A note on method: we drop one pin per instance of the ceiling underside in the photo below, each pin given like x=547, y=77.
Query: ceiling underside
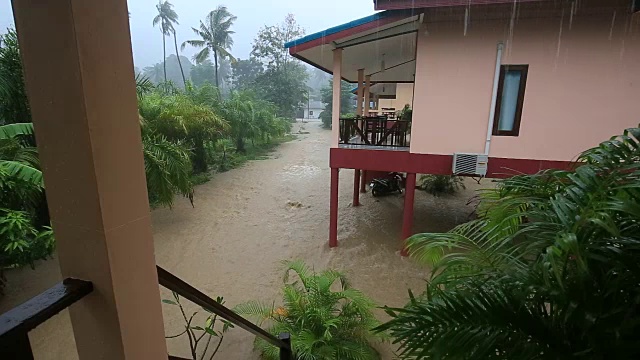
x=392, y=45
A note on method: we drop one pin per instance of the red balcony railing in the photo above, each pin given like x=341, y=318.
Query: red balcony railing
x=375, y=131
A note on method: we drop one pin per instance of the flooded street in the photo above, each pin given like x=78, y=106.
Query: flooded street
x=247, y=220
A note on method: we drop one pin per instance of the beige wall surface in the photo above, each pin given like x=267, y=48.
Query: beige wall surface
x=404, y=95
x=582, y=87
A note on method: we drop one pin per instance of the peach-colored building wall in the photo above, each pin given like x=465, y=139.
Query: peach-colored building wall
x=404, y=95
x=582, y=87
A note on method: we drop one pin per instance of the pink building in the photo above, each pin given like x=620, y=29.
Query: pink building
x=500, y=87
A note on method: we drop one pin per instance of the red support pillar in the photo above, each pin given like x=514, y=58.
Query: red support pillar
x=333, y=211
x=407, y=218
x=356, y=185
x=363, y=182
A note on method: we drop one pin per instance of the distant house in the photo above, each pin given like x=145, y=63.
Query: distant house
x=498, y=87
x=312, y=109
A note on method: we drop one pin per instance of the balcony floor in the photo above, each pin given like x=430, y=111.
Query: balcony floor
x=373, y=147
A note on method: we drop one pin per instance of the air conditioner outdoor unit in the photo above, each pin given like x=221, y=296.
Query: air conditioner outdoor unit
x=470, y=164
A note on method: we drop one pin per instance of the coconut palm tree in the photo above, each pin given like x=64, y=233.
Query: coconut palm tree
x=167, y=18
x=215, y=36
x=549, y=270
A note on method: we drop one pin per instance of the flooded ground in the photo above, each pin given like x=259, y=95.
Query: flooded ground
x=246, y=221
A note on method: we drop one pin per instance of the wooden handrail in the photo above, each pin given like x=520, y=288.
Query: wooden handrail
x=173, y=283
x=16, y=323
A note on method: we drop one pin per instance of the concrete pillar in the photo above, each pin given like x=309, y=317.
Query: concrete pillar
x=360, y=92
x=333, y=208
x=80, y=83
x=407, y=216
x=367, y=94
x=356, y=187
x=335, y=110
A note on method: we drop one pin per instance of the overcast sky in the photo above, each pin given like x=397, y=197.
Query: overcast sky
x=313, y=15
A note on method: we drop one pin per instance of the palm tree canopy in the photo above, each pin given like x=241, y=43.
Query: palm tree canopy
x=215, y=34
x=166, y=17
x=549, y=270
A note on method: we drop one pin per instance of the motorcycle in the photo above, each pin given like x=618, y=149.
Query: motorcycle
x=389, y=185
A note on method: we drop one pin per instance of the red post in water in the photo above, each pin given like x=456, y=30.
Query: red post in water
x=333, y=209
x=356, y=185
x=407, y=218
x=363, y=182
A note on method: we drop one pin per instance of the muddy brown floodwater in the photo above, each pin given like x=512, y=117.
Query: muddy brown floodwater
x=246, y=221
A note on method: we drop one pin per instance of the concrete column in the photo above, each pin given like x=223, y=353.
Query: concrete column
x=356, y=187
x=367, y=94
x=335, y=110
x=360, y=92
x=80, y=83
x=407, y=216
x=333, y=208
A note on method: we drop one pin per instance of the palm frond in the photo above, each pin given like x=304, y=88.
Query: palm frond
x=548, y=270
x=17, y=129
x=22, y=171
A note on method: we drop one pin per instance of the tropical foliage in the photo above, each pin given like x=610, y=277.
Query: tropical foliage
x=282, y=81
x=215, y=37
x=347, y=102
x=549, y=270
x=24, y=233
x=324, y=323
x=14, y=106
x=437, y=185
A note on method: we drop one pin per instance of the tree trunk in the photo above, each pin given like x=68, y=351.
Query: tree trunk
x=164, y=57
x=240, y=145
x=175, y=42
x=215, y=58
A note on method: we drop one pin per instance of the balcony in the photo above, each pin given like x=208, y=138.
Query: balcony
x=374, y=133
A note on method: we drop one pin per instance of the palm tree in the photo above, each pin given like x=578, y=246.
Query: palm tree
x=167, y=17
x=215, y=37
x=549, y=270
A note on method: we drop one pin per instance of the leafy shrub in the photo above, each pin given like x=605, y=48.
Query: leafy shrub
x=178, y=118
x=323, y=323
x=549, y=271
x=406, y=114
x=440, y=184
x=20, y=242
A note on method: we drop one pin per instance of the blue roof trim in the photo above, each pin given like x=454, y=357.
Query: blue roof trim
x=338, y=28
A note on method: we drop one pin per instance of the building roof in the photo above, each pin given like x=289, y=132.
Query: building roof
x=384, y=39
x=416, y=4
